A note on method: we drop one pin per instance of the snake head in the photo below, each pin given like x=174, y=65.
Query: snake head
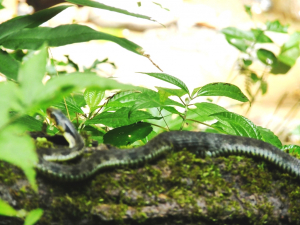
x=64, y=125
x=58, y=118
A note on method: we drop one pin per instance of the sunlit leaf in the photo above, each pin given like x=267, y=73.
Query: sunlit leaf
x=270, y=137
x=164, y=93
x=195, y=91
x=170, y=79
x=120, y=118
x=240, y=44
x=172, y=92
x=58, y=87
x=223, y=89
x=93, y=96
x=29, y=21
x=241, y=125
x=289, y=56
x=106, y=7
x=17, y=148
x=33, y=216
x=239, y=34
x=62, y=35
x=31, y=73
x=6, y=209
x=31, y=123
x=151, y=99
x=260, y=36
x=11, y=101
x=161, y=6
x=276, y=26
x=204, y=110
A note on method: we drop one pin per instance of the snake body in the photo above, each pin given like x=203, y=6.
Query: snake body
x=200, y=143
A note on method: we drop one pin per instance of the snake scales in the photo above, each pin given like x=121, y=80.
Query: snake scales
x=199, y=143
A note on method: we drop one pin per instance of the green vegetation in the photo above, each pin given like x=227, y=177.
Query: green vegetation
x=114, y=119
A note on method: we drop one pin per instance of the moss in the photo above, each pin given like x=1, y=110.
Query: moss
x=180, y=177
x=8, y=174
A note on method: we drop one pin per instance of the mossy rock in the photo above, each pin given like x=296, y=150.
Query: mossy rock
x=178, y=188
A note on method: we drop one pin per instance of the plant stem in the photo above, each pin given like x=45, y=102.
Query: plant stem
x=196, y=121
x=187, y=101
x=163, y=119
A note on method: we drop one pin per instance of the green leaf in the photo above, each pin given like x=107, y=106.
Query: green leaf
x=276, y=26
x=93, y=96
x=33, y=216
x=241, y=125
x=62, y=35
x=29, y=122
x=280, y=68
x=254, y=77
x=247, y=62
x=127, y=135
x=29, y=21
x=31, y=74
x=164, y=93
x=120, y=118
x=265, y=56
x=171, y=109
x=289, y=55
x=270, y=137
x=9, y=66
x=234, y=32
x=72, y=105
x=248, y=10
x=6, y=209
x=11, y=101
x=151, y=99
x=260, y=36
x=195, y=91
x=161, y=6
x=290, y=50
x=58, y=87
x=123, y=99
x=240, y=44
x=222, y=128
x=170, y=79
x=263, y=87
x=106, y=7
x=17, y=148
x=172, y=92
x=223, y=89
x=125, y=96
x=293, y=41
x=95, y=132
x=204, y=110
x=1, y=6
x=291, y=148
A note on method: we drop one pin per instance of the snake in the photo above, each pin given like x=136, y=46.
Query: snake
x=200, y=143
